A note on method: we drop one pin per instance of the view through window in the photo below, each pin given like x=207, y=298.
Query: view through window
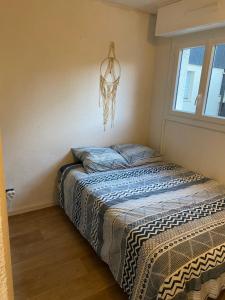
x=189, y=77
x=215, y=105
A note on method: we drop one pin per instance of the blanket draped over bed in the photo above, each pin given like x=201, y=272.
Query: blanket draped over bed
x=159, y=227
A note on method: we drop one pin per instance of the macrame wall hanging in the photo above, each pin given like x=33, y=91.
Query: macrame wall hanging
x=110, y=72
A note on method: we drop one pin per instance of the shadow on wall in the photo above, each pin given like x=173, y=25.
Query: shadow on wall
x=33, y=189
x=151, y=29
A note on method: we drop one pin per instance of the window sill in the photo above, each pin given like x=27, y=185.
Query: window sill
x=204, y=122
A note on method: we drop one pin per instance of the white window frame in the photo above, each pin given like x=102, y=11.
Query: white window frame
x=175, y=80
x=198, y=118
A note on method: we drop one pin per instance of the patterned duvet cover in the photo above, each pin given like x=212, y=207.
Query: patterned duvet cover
x=159, y=227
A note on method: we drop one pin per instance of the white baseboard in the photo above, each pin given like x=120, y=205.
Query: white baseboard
x=31, y=208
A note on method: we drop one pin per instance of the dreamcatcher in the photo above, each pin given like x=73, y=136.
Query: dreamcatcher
x=110, y=72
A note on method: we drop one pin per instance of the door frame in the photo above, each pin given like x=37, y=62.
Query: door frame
x=6, y=282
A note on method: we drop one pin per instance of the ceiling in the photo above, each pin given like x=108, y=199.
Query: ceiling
x=150, y=6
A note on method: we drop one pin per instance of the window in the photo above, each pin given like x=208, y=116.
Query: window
x=215, y=104
x=199, y=82
x=188, y=79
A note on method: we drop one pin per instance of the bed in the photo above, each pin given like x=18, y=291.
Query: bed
x=159, y=227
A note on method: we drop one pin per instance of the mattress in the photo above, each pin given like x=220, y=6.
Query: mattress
x=159, y=227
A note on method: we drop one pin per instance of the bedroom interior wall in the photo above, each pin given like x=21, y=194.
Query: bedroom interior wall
x=195, y=148
x=50, y=55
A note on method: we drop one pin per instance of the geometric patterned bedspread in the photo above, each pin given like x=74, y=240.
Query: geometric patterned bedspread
x=159, y=227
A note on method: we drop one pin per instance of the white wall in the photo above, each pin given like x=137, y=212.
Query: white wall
x=196, y=148
x=49, y=86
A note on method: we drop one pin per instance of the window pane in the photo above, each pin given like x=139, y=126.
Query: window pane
x=215, y=105
x=189, y=77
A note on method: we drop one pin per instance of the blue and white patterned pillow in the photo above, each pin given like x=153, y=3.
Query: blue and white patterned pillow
x=137, y=155
x=96, y=159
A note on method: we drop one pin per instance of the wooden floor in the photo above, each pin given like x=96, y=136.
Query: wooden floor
x=52, y=261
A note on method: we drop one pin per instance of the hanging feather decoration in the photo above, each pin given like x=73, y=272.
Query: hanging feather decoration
x=110, y=72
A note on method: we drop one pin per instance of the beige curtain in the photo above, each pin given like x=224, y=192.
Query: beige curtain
x=6, y=287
